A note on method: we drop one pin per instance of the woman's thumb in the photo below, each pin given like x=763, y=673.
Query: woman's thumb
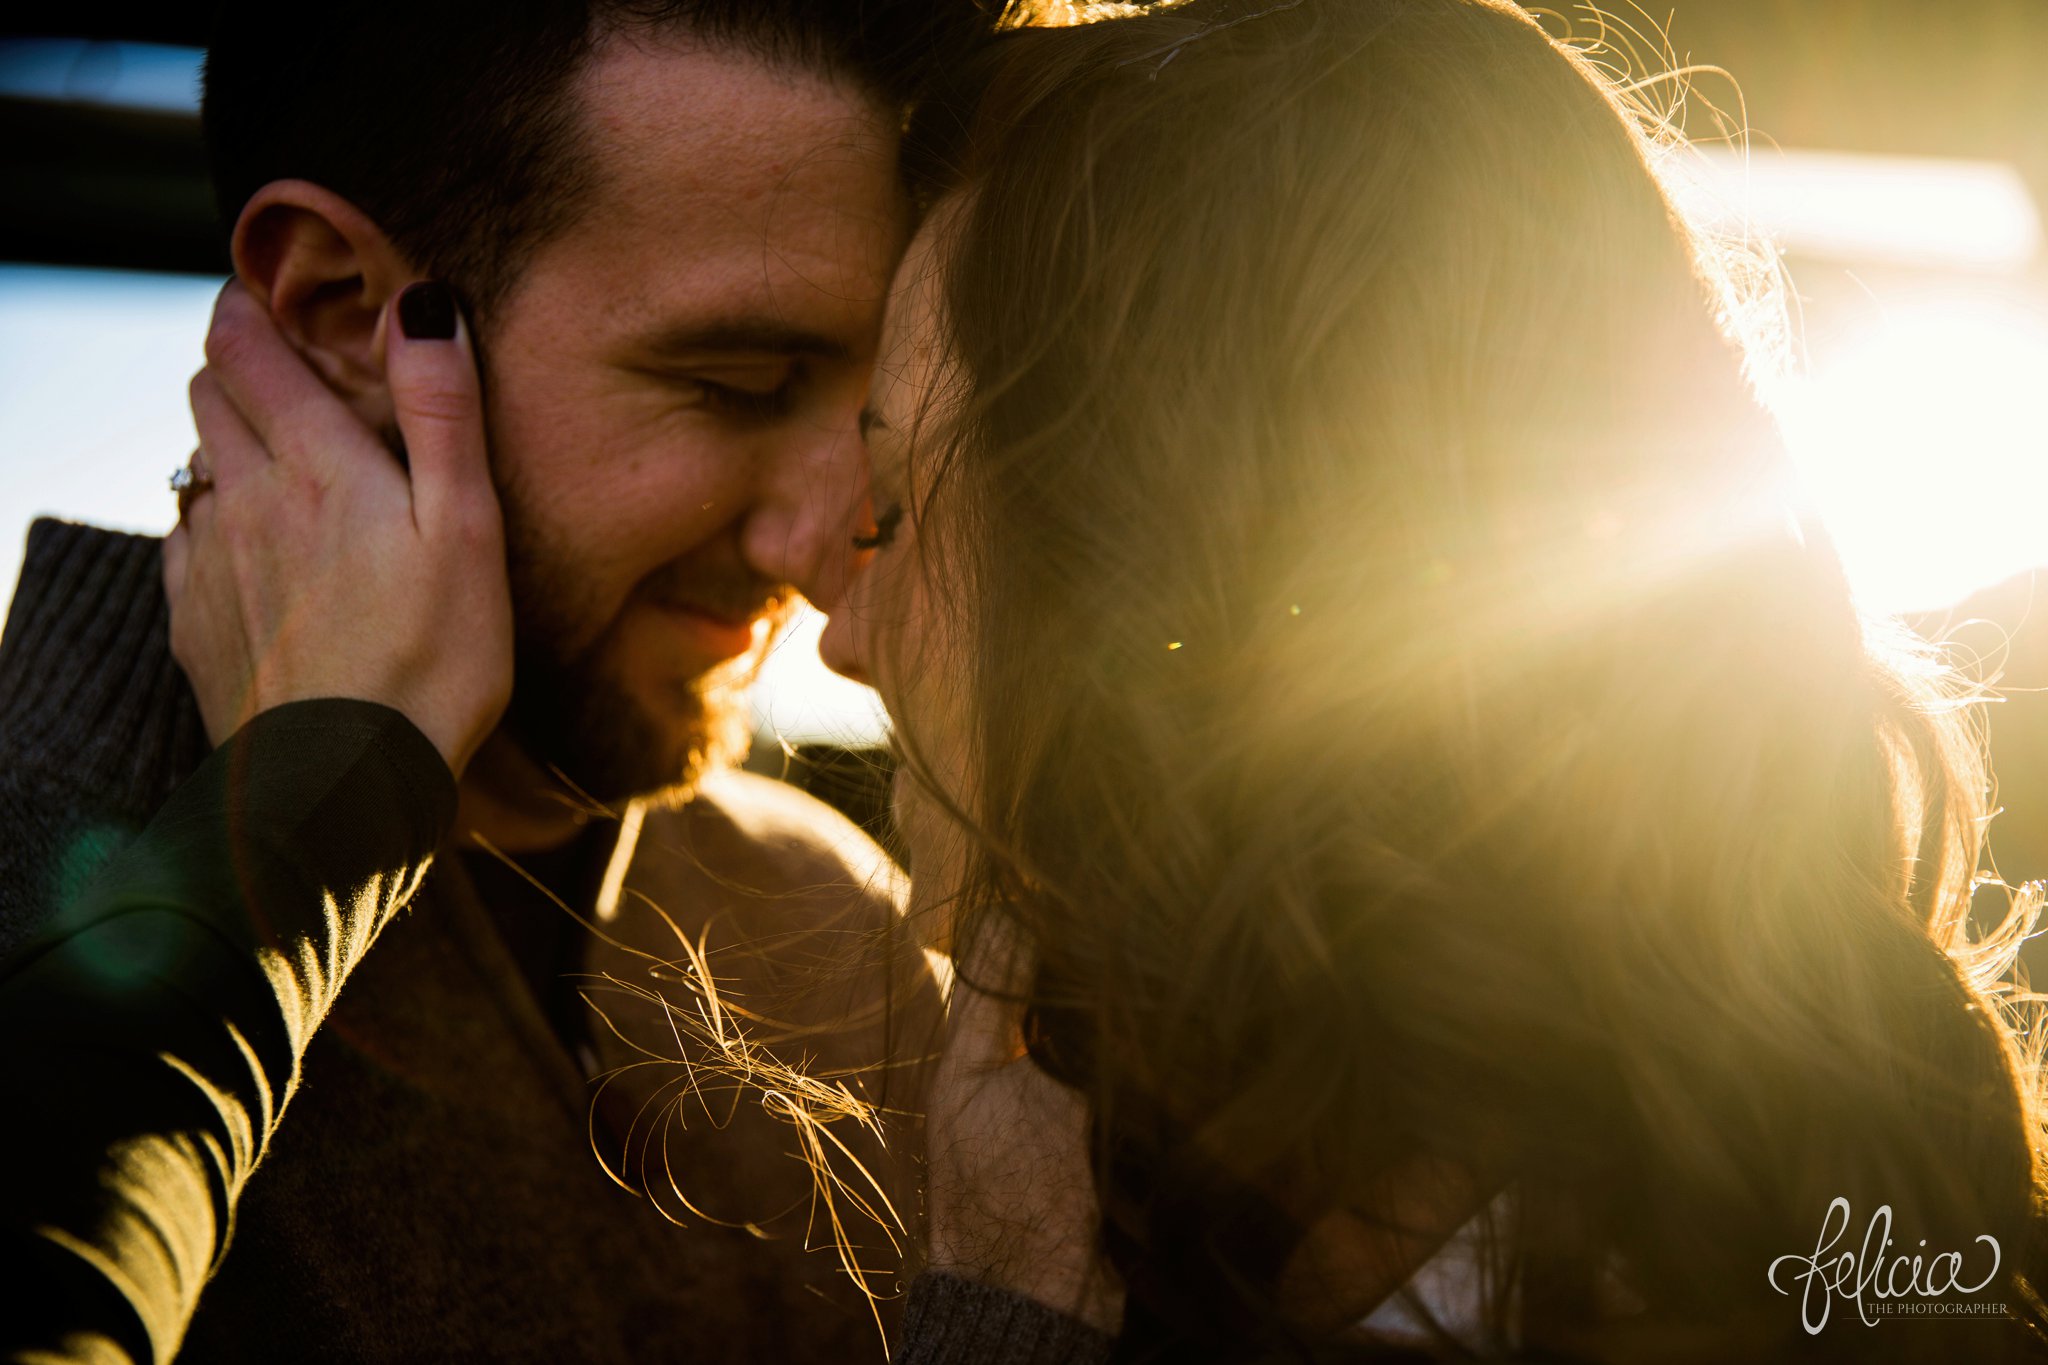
x=431, y=370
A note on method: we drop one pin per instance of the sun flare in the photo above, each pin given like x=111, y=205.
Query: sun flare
x=1924, y=443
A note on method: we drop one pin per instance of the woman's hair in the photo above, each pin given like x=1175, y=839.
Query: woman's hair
x=1426, y=745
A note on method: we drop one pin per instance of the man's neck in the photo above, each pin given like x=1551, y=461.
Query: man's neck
x=515, y=805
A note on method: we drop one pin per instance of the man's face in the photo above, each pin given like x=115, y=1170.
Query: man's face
x=673, y=387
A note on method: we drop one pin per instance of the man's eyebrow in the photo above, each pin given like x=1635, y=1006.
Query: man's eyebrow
x=752, y=336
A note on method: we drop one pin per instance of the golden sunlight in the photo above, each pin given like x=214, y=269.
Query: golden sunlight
x=1924, y=443
x=1926, y=213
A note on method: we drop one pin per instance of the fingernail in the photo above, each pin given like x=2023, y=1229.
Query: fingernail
x=426, y=311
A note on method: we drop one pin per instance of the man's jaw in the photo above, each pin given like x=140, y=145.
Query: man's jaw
x=643, y=711
x=580, y=740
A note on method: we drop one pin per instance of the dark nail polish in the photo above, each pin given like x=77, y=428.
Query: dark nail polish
x=426, y=311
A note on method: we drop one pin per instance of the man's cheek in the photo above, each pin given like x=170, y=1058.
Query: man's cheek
x=552, y=607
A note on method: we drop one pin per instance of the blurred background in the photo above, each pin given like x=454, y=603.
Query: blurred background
x=1895, y=150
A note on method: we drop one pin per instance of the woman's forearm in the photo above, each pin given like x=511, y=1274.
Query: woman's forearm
x=150, y=1039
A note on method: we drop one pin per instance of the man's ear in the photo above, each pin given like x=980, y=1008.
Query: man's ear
x=326, y=272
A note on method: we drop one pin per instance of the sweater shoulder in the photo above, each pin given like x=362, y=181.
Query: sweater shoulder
x=97, y=724
x=786, y=841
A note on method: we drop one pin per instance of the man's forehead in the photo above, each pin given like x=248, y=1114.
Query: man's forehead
x=730, y=187
x=674, y=126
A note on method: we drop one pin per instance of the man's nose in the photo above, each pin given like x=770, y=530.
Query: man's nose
x=806, y=513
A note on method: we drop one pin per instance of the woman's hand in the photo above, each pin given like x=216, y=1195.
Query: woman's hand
x=1012, y=1196
x=316, y=564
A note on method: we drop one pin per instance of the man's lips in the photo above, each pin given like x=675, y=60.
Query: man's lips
x=718, y=635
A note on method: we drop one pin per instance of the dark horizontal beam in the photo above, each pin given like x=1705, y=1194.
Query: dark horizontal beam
x=89, y=185
x=181, y=23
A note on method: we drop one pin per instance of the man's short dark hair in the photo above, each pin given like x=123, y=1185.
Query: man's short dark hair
x=449, y=123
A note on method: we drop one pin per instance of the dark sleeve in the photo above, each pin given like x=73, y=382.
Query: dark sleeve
x=150, y=1038
x=97, y=723
x=951, y=1321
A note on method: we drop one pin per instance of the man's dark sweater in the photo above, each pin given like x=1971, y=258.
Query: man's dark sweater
x=433, y=1192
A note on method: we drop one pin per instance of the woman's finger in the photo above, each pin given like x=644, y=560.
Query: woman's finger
x=431, y=371
x=196, y=507
x=229, y=449
x=293, y=414
x=177, y=554
x=983, y=1031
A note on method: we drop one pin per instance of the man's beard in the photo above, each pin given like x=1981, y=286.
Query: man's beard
x=572, y=716
x=570, y=711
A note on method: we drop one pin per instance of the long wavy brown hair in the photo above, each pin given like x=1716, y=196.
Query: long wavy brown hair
x=1439, y=767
